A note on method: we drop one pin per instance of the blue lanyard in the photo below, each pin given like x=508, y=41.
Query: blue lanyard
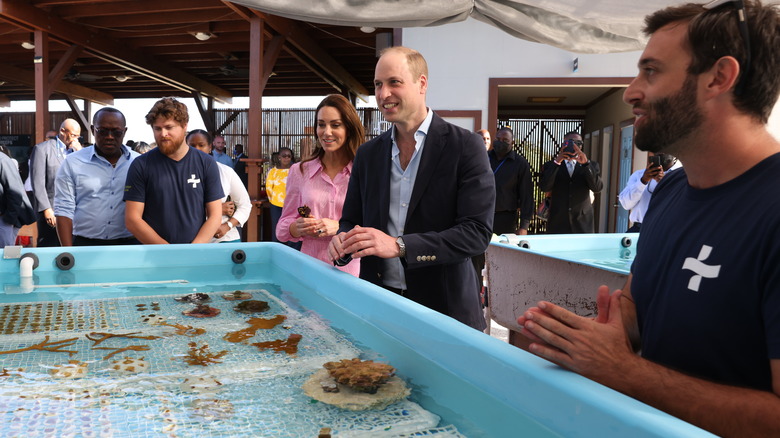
x=499, y=165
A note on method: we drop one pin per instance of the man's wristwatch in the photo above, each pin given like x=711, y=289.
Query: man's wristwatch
x=230, y=225
x=401, y=247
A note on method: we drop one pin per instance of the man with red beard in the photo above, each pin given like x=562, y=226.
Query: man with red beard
x=173, y=192
x=703, y=300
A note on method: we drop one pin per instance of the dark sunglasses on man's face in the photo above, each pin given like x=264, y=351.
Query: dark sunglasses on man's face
x=285, y=156
x=571, y=142
x=104, y=132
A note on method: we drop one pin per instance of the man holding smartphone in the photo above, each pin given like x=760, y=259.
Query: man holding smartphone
x=641, y=185
x=570, y=178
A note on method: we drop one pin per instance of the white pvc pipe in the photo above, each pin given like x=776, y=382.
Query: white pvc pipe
x=26, y=267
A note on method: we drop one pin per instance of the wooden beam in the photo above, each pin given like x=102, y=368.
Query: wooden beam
x=63, y=65
x=133, y=7
x=145, y=19
x=205, y=114
x=315, y=57
x=117, y=52
x=315, y=52
x=80, y=117
x=42, y=91
x=19, y=76
x=269, y=58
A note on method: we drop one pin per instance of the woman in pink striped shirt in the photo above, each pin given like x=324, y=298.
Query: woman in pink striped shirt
x=320, y=181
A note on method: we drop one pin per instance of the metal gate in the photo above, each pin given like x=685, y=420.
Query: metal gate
x=538, y=141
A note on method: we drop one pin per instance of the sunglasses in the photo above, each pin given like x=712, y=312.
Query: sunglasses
x=739, y=6
x=571, y=142
x=104, y=132
x=285, y=156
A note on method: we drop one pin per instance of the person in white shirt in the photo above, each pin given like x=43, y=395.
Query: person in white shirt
x=236, y=205
x=641, y=185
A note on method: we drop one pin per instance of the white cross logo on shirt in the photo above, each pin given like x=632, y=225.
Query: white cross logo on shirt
x=193, y=181
x=700, y=269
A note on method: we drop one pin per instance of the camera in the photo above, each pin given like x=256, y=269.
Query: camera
x=655, y=161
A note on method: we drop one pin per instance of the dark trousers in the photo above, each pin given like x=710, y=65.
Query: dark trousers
x=85, y=241
x=47, y=236
x=634, y=228
x=505, y=222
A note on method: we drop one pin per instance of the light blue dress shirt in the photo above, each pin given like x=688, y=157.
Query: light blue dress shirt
x=401, y=186
x=222, y=158
x=89, y=191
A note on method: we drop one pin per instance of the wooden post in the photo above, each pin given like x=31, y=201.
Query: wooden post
x=255, y=125
x=42, y=91
x=254, y=168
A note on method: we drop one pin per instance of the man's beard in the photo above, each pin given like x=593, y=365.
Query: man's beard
x=669, y=120
x=168, y=148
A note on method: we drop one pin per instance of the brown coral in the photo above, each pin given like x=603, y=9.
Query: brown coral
x=363, y=376
x=251, y=306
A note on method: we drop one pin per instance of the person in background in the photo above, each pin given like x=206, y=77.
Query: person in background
x=695, y=331
x=236, y=205
x=45, y=160
x=570, y=178
x=173, y=193
x=90, y=185
x=240, y=166
x=514, y=190
x=485, y=134
x=143, y=147
x=320, y=181
x=641, y=185
x=15, y=208
x=219, y=153
x=276, y=189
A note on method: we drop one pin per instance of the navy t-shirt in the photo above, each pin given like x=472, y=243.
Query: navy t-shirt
x=707, y=277
x=174, y=193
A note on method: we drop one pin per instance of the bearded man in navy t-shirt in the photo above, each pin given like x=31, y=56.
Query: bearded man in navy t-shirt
x=173, y=193
x=702, y=304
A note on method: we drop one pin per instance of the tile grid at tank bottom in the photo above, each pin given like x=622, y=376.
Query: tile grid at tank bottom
x=250, y=393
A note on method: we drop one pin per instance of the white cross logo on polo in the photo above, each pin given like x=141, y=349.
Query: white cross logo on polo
x=194, y=181
x=702, y=270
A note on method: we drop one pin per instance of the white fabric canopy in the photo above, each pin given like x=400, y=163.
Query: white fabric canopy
x=583, y=26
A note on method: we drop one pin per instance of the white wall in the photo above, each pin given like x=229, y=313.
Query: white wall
x=463, y=56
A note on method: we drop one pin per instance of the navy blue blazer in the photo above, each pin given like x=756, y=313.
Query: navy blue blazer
x=449, y=220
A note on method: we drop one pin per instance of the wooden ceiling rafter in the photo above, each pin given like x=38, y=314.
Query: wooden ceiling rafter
x=128, y=7
x=319, y=57
x=108, y=49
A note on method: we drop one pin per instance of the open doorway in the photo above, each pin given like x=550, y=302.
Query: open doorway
x=541, y=110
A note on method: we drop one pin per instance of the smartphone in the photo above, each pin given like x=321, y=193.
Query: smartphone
x=655, y=161
x=569, y=147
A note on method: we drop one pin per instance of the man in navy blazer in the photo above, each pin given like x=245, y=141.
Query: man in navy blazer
x=420, y=200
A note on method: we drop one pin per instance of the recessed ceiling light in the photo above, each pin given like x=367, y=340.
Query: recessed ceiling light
x=367, y=29
x=203, y=36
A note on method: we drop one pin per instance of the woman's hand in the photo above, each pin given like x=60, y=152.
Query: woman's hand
x=228, y=208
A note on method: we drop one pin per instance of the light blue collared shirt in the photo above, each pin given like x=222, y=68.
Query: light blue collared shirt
x=222, y=158
x=401, y=186
x=89, y=191
x=62, y=150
